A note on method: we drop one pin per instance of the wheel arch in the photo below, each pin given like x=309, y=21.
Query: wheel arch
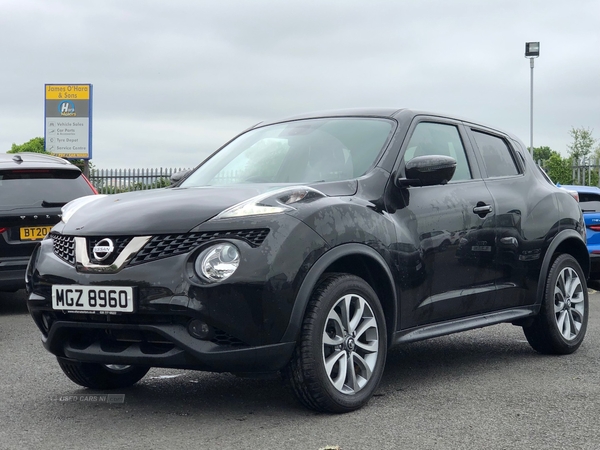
x=567, y=241
x=356, y=259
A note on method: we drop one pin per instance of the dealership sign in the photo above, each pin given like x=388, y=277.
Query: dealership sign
x=68, y=116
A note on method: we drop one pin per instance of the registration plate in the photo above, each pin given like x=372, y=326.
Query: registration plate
x=107, y=299
x=34, y=233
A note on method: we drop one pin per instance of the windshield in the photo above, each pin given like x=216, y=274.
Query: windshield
x=305, y=151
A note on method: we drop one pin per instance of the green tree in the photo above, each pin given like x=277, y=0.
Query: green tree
x=596, y=155
x=35, y=145
x=582, y=144
x=559, y=169
x=542, y=153
x=159, y=183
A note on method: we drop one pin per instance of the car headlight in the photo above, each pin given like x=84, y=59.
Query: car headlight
x=272, y=202
x=218, y=262
x=71, y=208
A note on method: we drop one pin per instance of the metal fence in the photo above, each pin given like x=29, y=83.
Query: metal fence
x=113, y=181
x=586, y=172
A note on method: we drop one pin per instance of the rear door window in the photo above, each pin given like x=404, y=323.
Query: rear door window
x=498, y=158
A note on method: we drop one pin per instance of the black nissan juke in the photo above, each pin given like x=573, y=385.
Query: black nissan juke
x=299, y=247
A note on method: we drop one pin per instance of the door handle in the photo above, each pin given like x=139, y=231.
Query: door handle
x=482, y=209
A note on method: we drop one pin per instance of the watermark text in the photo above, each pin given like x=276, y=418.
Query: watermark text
x=82, y=398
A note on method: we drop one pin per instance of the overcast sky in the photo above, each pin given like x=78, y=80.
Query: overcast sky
x=173, y=80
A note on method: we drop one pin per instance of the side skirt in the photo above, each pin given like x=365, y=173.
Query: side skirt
x=463, y=324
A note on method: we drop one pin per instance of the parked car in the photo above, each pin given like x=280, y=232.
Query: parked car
x=589, y=200
x=285, y=251
x=33, y=188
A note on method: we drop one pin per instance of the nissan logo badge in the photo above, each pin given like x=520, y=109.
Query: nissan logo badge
x=103, y=249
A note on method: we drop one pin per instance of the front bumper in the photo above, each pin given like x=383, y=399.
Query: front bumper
x=165, y=345
x=247, y=314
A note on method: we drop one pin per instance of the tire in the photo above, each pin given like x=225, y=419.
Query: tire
x=344, y=323
x=101, y=376
x=560, y=326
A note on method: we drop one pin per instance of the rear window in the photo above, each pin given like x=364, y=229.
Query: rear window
x=34, y=187
x=589, y=202
x=497, y=156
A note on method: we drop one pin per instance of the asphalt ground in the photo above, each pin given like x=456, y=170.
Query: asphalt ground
x=483, y=389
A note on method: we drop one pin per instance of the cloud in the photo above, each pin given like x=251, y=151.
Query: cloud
x=188, y=75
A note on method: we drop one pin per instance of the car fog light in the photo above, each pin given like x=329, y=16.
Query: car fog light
x=46, y=322
x=217, y=263
x=199, y=329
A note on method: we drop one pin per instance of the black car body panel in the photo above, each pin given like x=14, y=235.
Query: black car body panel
x=489, y=270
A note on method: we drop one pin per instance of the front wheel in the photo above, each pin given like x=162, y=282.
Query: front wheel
x=339, y=361
x=560, y=326
x=102, y=376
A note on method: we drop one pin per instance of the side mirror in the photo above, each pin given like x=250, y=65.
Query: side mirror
x=178, y=176
x=428, y=170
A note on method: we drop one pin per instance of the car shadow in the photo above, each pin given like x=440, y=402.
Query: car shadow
x=172, y=392
x=594, y=284
x=472, y=353
x=414, y=367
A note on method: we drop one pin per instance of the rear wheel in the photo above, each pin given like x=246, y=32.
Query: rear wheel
x=339, y=360
x=562, y=322
x=102, y=376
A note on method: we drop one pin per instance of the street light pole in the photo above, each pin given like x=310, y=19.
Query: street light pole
x=531, y=109
x=532, y=50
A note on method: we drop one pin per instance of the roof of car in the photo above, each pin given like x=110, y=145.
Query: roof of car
x=34, y=160
x=584, y=189
x=395, y=113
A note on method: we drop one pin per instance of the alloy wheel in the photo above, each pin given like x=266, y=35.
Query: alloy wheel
x=350, y=344
x=569, y=305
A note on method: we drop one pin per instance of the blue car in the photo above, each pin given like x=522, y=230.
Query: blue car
x=589, y=201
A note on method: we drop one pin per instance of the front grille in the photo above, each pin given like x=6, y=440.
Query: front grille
x=124, y=333
x=141, y=336
x=64, y=247
x=176, y=244
x=222, y=338
x=126, y=319
x=158, y=247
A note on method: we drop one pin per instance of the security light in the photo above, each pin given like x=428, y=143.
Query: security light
x=532, y=49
